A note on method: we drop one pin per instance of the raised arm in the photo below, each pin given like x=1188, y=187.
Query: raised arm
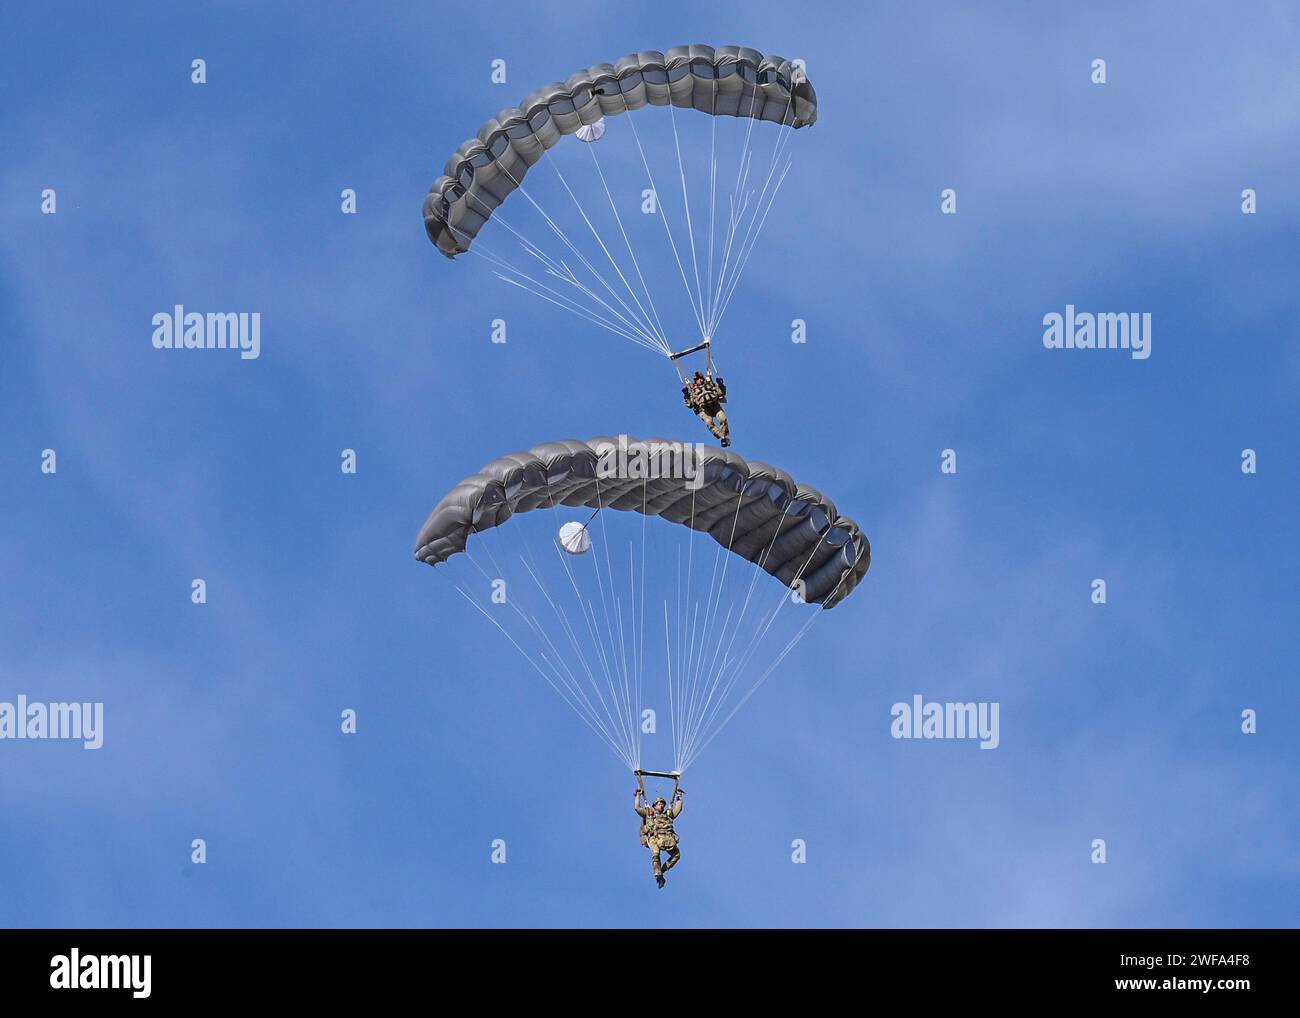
x=641, y=811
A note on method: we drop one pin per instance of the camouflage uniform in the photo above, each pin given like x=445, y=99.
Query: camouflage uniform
x=705, y=397
x=657, y=834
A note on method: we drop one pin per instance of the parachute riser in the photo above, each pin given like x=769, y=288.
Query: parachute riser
x=706, y=346
x=640, y=774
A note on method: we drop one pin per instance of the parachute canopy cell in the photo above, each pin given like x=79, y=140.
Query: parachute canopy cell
x=754, y=510
x=732, y=81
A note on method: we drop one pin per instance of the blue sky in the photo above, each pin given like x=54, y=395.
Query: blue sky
x=1118, y=722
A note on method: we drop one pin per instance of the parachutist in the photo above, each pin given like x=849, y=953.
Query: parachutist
x=704, y=396
x=657, y=832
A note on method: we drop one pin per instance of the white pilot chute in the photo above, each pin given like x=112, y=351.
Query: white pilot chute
x=591, y=132
x=574, y=539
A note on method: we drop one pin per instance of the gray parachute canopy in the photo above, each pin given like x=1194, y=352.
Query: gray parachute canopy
x=730, y=81
x=757, y=511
